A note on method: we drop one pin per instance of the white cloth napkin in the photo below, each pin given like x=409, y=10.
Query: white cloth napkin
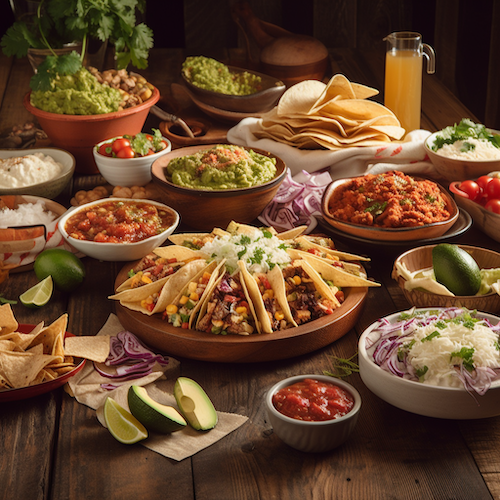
x=408, y=156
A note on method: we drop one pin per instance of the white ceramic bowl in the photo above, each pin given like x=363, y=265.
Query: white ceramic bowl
x=117, y=251
x=127, y=171
x=314, y=437
x=48, y=189
x=423, y=399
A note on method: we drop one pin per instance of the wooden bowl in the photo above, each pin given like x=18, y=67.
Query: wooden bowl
x=264, y=100
x=454, y=169
x=433, y=230
x=421, y=258
x=204, y=210
x=78, y=134
x=487, y=221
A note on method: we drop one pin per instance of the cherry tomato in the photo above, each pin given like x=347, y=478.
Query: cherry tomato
x=493, y=189
x=119, y=144
x=471, y=188
x=105, y=149
x=483, y=181
x=126, y=152
x=493, y=206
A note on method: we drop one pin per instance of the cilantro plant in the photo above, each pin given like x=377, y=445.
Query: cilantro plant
x=61, y=21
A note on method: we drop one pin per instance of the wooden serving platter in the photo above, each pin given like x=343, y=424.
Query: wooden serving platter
x=290, y=343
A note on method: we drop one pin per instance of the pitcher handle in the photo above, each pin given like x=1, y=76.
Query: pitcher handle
x=431, y=58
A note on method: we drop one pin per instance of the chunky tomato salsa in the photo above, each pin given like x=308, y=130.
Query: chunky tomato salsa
x=116, y=221
x=313, y=401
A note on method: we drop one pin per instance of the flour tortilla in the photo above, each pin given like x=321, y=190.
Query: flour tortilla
x=306, y=243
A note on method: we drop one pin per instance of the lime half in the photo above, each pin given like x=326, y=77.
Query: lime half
x=123, y=426
x=38, y=295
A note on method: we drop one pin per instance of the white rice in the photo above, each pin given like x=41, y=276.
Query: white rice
x=27, y=214
x=484, y=150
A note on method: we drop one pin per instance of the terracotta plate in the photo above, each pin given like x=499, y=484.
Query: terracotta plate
x=192, y=344
x=35, y=390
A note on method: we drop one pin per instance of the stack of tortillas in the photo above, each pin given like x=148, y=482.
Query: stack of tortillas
x=337, y=115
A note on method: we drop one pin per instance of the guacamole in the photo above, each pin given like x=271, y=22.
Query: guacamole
x=221, y=167
x=77, y=94
x=210, y=74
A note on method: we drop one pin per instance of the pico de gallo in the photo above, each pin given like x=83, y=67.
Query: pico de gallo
x=134, y=146
x=118, y=221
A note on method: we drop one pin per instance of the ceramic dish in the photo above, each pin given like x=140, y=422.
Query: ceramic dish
x=421, y=258
x=264, y=100
x=424, y=399
x=219, y=206
x=117, y=251
x=285, y=344
x=313, y=437
x=44, y=387
x=454, y=169
x=48, y=189
x=487, y=221
x=374, y=233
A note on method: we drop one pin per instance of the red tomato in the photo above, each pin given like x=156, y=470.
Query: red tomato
x=483, y=181
x=126, y=152
x=493, y=206
x=471, y=188
x=119, y=144
x=105, y=149
x=493, y=189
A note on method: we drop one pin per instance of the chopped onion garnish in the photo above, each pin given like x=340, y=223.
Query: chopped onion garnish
x=296, y=203
x=130, y=359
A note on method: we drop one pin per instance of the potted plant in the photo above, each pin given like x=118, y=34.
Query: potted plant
x=53, y=24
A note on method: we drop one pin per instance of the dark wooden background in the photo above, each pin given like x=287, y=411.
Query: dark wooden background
x=461, y=31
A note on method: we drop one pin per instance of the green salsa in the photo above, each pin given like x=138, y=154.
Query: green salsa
x=209, y=74
x=221, y=167
x=77, y=94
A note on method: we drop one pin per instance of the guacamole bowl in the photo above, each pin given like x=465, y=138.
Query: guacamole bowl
x=79, y=133
x=205, y=209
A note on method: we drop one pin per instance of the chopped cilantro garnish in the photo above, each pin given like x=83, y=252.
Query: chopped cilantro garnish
x=242, y=252
x=267, y=234
x=421, y=372
x=466, y=129
x=432, y=335
x=245, y=240
x=465, y=354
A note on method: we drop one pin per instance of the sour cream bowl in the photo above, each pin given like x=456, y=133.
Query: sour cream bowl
x=313, y=436
x=423, y=399
x=119, y=251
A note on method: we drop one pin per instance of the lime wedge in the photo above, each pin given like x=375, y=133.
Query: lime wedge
x=124, y=427
x=38, y=295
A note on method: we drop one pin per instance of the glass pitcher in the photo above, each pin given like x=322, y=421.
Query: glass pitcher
x=403, y=76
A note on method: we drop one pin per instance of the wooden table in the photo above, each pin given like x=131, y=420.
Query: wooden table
x=53, y=447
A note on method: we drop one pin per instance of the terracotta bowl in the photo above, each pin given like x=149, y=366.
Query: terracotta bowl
x=204, y=210
x=265, y=99
x=79, y=133
x=454, y=169
x=487, y=221
x=433, y=230
x=421, y=258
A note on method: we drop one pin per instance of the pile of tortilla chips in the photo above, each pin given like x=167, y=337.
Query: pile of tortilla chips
x=31, y=358
x=337, y=115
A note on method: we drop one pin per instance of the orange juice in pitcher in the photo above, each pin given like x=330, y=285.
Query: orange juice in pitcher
x=403, y=76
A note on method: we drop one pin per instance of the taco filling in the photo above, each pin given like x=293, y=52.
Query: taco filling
x=153, y=268
x=227, y=310
x=303, y=296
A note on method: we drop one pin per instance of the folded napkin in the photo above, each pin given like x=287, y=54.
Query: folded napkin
x=408, y=156
x=85, y=386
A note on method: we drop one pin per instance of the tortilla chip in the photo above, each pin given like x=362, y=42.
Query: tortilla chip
x=299, y=98
x=21, y=368
x=8, y=322
x=52, y=337
x=95, y=348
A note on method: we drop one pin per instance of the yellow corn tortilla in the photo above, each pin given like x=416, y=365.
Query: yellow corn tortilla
x=306, y=243
x=275, y=278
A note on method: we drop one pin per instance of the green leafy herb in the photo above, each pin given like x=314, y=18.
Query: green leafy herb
x=432, y=335
x=465, y=354
x=342, y=367
x=466, y=129
x=52, y=66
x=421, y=372
x=3, y=300
x=377, y=208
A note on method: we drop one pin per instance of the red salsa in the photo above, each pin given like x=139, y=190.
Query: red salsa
x=116, y=221
x=313, y=401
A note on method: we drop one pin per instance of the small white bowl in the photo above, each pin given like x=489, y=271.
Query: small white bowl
x=127, y=172
x=313, y=437
x=48, y=189
x=423, y=399
x=117, y=251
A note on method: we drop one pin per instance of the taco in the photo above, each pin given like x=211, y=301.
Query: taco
x=183, y=309
x=308, y=296
x=195, y=241
x=154, y=297
x=343, y=274
x=267, y=292
x=228, y=308
x=324, y=247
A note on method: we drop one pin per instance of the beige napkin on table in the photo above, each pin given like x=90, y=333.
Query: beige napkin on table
x=85, y=386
